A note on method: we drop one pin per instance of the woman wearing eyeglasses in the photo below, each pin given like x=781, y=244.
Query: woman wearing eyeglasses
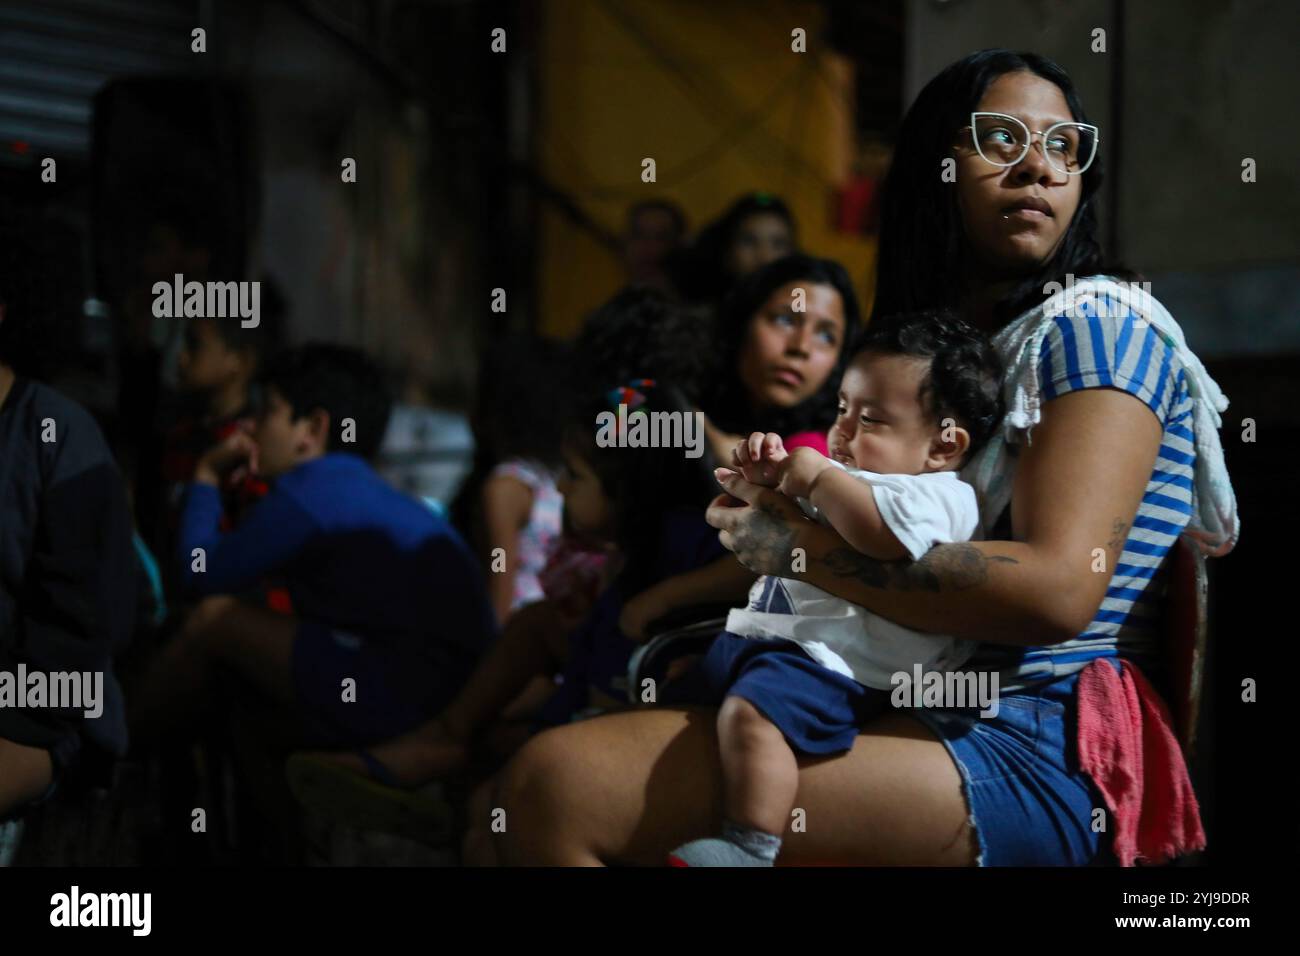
x=990, y=201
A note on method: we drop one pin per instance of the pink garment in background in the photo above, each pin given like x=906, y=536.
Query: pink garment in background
x=809, y=439
x=539, y=538
x=573, y=576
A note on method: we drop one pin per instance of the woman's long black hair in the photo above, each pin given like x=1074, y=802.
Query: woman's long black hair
x=725, y=400
x=923, y=247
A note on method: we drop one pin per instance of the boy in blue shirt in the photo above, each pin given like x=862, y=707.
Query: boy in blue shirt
x=389, y=609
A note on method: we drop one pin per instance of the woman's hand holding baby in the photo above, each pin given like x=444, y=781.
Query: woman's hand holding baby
x=759, y=525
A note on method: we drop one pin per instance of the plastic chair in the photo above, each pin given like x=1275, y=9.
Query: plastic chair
x=688, y=630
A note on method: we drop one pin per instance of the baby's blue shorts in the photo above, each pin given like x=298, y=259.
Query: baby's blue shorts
x=817, y=710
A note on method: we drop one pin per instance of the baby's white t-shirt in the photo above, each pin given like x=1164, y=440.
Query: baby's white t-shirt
x=921, y=511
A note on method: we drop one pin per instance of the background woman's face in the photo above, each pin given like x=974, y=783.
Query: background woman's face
x=759, y=239
x=586, y=508
x=787, y=355
x=1008, y=240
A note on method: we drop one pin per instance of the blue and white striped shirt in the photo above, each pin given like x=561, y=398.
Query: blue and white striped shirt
x=1111, y=347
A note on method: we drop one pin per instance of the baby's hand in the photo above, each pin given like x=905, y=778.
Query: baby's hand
x=799, y=470
x=758, y=458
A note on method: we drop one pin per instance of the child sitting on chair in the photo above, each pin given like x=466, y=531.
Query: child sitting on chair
x=799, y=671
x=390, y=609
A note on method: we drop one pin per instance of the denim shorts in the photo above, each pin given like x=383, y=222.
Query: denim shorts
x=1029, y=802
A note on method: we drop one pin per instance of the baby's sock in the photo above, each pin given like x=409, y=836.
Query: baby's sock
x=738, y=846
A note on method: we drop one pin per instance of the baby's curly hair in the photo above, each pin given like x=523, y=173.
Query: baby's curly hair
x=965, y=377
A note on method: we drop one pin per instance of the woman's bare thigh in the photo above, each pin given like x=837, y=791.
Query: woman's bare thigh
x=630, y=787
x=895, y=799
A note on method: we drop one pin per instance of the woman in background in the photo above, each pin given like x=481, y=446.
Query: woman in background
x=757, y=229
x=780, y=350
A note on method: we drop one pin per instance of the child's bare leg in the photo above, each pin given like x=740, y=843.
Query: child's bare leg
x=221, y=633
x=25, y=774
x=761, y=778
x=531, y=699
x=761, y=774
x=530, y=646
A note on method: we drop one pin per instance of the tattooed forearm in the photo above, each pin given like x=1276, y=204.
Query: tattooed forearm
x=1117, y=534
x=948, y=567
x=901, y=575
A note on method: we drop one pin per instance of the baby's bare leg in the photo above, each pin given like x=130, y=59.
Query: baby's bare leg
x=760, y=770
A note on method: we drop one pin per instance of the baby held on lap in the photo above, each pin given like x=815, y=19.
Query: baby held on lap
x=799, y=671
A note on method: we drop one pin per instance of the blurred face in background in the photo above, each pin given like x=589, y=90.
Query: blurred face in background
x=586, y=507
x=162, y=253
x=206, y=362
x=652, y=235
x=284, y=442
x=759, y=239
x=874, y=159
x=787, y=355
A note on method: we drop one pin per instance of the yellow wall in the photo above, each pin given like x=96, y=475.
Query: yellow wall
x=715, y=95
